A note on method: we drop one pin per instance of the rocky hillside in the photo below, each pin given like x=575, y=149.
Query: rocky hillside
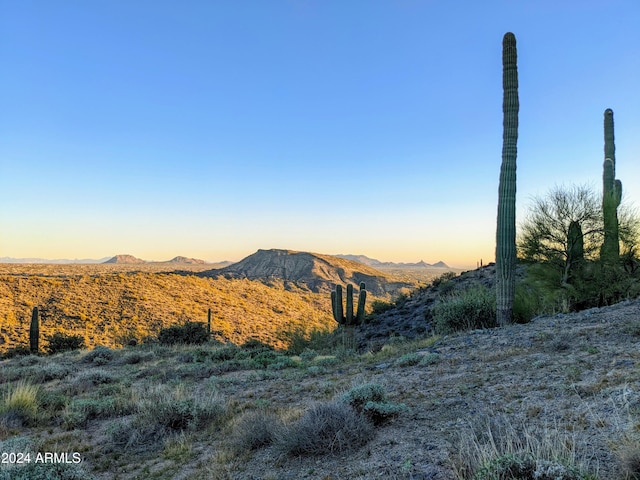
x=410, y=317
x=315, y=271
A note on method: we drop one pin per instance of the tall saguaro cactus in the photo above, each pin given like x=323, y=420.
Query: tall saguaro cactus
x=506, y=228
x=611, y=194
x=34, y=331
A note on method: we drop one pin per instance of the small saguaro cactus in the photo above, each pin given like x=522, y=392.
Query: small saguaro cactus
x=611, y=194
x=209, y=322
x=34, y=331
x=346, y=317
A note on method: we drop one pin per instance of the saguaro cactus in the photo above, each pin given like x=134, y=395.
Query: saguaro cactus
x=611, y=194
x=34, y=331
x=575, y=251
x=506, y=228
x=347, y=317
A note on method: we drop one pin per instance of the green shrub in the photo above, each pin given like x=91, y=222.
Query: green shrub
x=370, y=400
x=20, y=350
x=408, y=360
x=60, y=342
x=189, y=333
x=467, y=310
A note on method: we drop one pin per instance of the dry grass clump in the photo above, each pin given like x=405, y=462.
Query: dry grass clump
x=254, y=430
x=501, y=451
x=19, y=404
x=162, y=411
x=331, y=427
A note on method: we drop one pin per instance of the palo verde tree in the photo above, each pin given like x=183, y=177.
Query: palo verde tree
x=506, y=223
x=562, y=229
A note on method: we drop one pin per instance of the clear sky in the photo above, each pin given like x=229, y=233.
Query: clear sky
x=214, y=128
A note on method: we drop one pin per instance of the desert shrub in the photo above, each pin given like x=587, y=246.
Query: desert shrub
x=48, y=372
x=430, y=359
x=19, y=404
x=20, y=350
x=512, y=466
x=380, y=306
x=469, y=309
x=162, y=411
x=99, y=356
x=332, y=427
x=79, y=411
x=370, y=400
x=89, y=379
x=408, y=360
x=255, y=430
x=60, y=342
x=188, y=333
x=443, y=278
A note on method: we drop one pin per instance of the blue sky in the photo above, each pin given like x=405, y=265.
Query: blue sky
x=214, y=128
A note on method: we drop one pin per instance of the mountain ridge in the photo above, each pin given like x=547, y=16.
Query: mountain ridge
x=372, y=262
x=315, y=271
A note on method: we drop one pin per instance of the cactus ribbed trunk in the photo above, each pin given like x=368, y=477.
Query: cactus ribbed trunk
x=34, y=331
x=611, y=195
x=506, y=223
x=575, y=251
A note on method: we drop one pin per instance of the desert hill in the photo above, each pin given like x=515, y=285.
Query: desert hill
x=317, y=272
x=125, y=259
x=190, y=261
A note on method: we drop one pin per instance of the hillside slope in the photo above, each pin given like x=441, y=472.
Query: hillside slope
x=110, y=308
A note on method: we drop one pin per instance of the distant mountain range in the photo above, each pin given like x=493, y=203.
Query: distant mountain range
x=372, y=262
x=118, y=259
x=316, y=271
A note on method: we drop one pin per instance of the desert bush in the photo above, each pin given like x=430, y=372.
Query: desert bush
x=254, y=430
x=469, y=309
x=20, y=350
x=408, y=359
x=325, y=428
x=162, y=411
x=60, y=342
x=370, y=400
x=87, y=380
x=99, y=356
x=189, y=333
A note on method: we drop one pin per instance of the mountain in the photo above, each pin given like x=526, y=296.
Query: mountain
x=372, y=262
x=191, y=261
x=54, y=261
x=314, y=271
x=124, y=259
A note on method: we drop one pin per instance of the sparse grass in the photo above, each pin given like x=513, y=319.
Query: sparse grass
x=495, y=448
